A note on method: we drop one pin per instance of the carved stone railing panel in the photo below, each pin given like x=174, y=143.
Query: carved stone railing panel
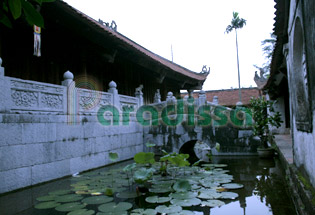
x=89, y=101
x=36, y=96
x=128, y=101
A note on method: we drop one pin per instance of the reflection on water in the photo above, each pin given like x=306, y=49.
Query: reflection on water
x=264, y=191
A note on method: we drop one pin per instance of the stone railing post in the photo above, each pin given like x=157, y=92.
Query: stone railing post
x=139, y=95
x=4, y=91
x=69, y=105
x=202, y=98
x=215, y=100
x=113, y=90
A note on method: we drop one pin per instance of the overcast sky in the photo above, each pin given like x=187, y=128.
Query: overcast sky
x=196, y=31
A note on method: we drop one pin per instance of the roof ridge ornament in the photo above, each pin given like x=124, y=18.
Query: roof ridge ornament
x=112, y=26
x=205, y=70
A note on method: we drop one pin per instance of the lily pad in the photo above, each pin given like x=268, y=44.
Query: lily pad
x=115, y=208
x=127, y=194
x=228, y=195
x=183, y=195
x=81, y=212
x=96, y=200
x=59, y=192
x=232, y=186
x=47, y=205
x=161, y=190
x=70, y=207
x=156, y=199
x=113, y=213
x=183, y=212
x=171, y=209
x=68, y=198
x=209, y=194
x=213, y=203
x=182, y=186
x=141, y=211
x=46, y=198
x=186, y=202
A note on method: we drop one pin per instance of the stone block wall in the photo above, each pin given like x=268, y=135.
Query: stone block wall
x=38, y=148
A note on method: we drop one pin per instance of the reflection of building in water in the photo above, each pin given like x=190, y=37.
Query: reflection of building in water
x=262, y=178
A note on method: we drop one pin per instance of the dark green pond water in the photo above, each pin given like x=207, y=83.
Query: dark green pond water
x=264, y=191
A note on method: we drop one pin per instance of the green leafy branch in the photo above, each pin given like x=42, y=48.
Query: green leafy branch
x=14, y=9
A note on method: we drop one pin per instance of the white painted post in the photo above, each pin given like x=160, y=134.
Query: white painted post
x=5, y=94
x=69, y=105
x=202, y=98
x=113, y=90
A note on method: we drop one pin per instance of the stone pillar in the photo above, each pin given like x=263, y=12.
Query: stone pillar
x=113, y=90
x=5, y=100
x=170, y=99
x=215, y=100
x=202, y=97
x=139, y=95
x=157, y=96
x=70, y=106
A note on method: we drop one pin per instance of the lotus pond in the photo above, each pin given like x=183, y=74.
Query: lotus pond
x=233, y=185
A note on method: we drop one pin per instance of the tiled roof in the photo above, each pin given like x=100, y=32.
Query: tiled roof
x=229, y=97
x=131, y=44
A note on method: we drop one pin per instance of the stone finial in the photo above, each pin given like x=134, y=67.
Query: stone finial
x=112, y=85
x=170, y=98
x=215, y=100
x=157, y=96
x=239, y=103
x=68, y=78
x=139, y=89
x=68, y=75
x=202, y=97
x=0, y=61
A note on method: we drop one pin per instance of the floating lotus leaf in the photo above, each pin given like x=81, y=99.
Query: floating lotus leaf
x=232, y=186
x=195, y=187
x=183, y=212
x=223, y=180
x=143, y=174
x=68, y=198
x=209, y=183
x=127, y=194
x=183, y=195
x=80, y=188
x=156, y=199
x=115, y=208
x=47, y=205
x=96, y=200
x=130, y=167
x=70, y=207
x=150, y=144
x=161, y=190
x=46, y=198
x=228, y=195
x=141, y=211
x=212, y=203
x=209, y=194
x=113, y=213
x=186, y=202
x=168, y=210
x=81, y=212
x=182, y=186
x=59, y=192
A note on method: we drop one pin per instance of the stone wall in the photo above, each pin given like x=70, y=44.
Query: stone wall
x=299, y=52
x=43, y=138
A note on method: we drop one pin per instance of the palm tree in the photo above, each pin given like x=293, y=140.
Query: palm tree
x=237, y=23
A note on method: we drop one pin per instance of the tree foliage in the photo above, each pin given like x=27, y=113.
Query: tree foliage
x=236, y=23
x=29, y=9
x=263, y=119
